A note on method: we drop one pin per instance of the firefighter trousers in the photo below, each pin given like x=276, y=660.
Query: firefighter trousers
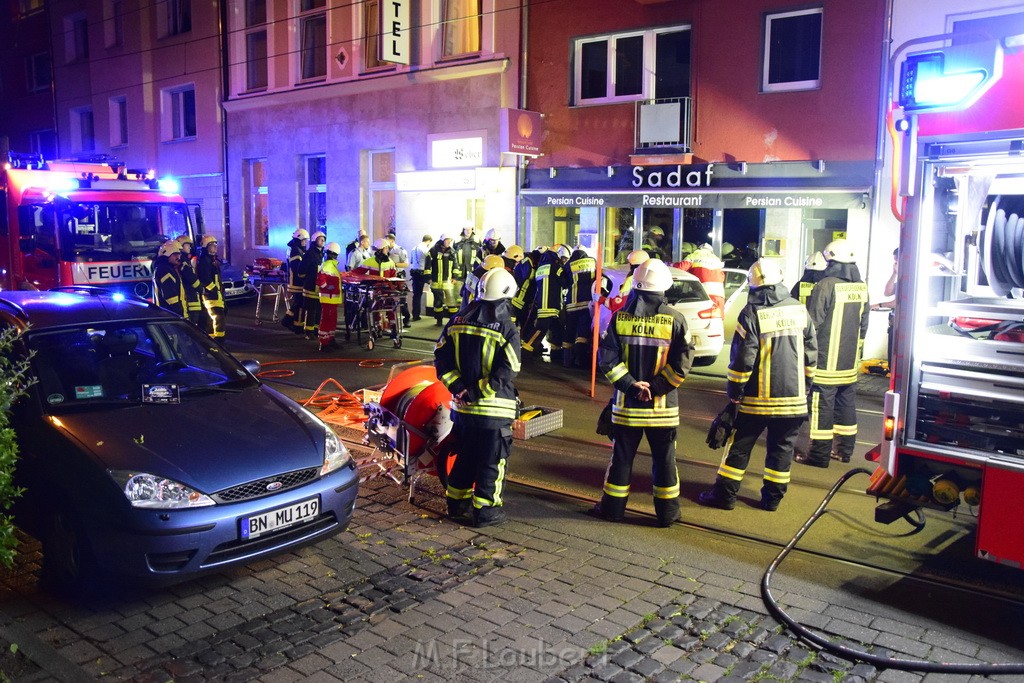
x=293, y=318
x=781, y=440
x=625, y=441
x=217, y=322
x=311, y=309
x=578, y=335
x=328, y=325
x=833, y=417
x=446, y=300
x=478, y=475
x=550, y=327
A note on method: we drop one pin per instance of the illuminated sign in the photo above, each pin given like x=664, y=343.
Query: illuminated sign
x=521, y=132
x=456, y=152
x=676, y=177
x=949, y=78
x=394, y=34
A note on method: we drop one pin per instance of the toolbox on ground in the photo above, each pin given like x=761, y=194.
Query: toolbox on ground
x=548, y=420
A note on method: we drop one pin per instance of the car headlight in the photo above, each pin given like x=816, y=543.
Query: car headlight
x=335, y=453
x=145, y=490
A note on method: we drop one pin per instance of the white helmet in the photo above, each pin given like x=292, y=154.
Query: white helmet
x=301, y=233
x=839, y=251
x=492, y=235
x=637, y=256
x=764, y=273
x=380, y=243
x=562, y=251
x=333, y=247
x=444, y=236
x=815, y=261
x=652, y=276
x=497, y=284
x=317, y=235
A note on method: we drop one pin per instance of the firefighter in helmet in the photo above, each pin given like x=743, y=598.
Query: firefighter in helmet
x=635, y=259
x=472, y=283
x=467, y=255
x=578, y=281
x=839, y=309
x=477, y=359
x=310, y=265
x=296, y=250
x=547, y=300
x=208, y=270
x=522, y=302
x=771, y=365
x=168, y=288
x=814, y=271
x=492, y=244
x=189, y=278
x=441, y=266
x=328, y=285
x=645, y=354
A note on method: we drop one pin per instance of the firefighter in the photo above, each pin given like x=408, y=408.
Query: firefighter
x=310, y=265
x=466, y=253
x=547, y=301
x=771, y=365
x=441, y=266
x=297, y=249
x=654, y=243
x=839, y=309
x=522, y=302
x=814, y=271
x=379, y=262
x=578, y=278
x=703, y=264
x=208, y=271
x=646, y=354
x=168, y=287
x=477, y=359
x=492, y=244
x=472, y=283
x=328, y=285
x=513, y=255
x=189, y=278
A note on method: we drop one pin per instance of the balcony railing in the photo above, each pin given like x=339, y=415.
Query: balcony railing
x=663, y=124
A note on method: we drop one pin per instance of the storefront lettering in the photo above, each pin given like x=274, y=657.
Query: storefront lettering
x=674, y=178
x=760, y=201
x=691, y=200
x=575, y=201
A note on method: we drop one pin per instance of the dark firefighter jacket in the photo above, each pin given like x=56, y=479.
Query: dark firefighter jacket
x=440, y=265
x=208, y=270
x=547, y=293
x=479, y=351
x=524, y=272
x=802, y=289
x=190, y=281
x=578, y=280
x=168, y=289
x=311, y=262
x=295, y=254
x=839, y=310
x=646, y=341
x=773, y=356
x=466, y=259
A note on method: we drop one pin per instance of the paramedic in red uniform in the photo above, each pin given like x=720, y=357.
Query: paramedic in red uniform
x=328, y=284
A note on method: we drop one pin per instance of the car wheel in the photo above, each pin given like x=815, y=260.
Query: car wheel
x=67, y=558
x=704, y=361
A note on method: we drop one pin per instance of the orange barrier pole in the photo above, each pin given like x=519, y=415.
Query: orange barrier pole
x=597, y=323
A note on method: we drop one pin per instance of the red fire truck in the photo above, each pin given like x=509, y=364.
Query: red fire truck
x=954, y=415
x=86, y=223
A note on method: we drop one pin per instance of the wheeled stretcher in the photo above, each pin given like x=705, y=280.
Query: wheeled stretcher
x=373, y=306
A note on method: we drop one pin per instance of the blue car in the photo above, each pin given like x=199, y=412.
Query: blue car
x=149, y=452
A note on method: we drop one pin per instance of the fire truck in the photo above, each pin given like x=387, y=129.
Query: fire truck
x=92, y=222
x=953, y=434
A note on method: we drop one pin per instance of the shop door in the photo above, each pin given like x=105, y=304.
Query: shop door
x=741, y=234
x=659, y=232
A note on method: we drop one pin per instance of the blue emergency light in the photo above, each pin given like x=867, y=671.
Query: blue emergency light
x=169, y=185
x=949, y=78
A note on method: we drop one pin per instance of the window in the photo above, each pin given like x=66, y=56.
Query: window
x=76, y=38
x=461, y=27
x=44, y=142
x=312, y=40
x=113, y=27
x=371, y=32
x=382, y=192
x=315, y=215
x=652, y=64
x=118, y=121
x=181, y=113
x=27, y=7
x=256, y=45
x=257, y=216
x=255, y=12
x=178, y=17
x=792, y=51
x=37, y=69
x=83, y=136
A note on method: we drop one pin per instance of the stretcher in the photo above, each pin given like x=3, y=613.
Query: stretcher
x=410, y=429
x=373, y=306
x=270, y=280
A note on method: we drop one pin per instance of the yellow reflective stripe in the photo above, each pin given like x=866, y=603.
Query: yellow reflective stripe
x=646, y=421
x=671, y=375
x=774, y=411
x=449, y=378
x=458, y=494
x=845, y=430
x=834, y=377
x=776, y=477
x=736, y=376
x=172, y=299
x=485, y=388
x=775, y=400
x=616, y=491
x=167, y=276
x=730, y=472
x=666, y=491
x=821, y=434
x=617, y=373
x=740, y=330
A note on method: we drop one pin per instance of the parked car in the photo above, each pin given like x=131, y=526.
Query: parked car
x=237, y=286
x=149, y=452
x=736, y=290
x=688, y=296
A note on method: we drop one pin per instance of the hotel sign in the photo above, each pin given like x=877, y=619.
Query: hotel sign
x=394, y=31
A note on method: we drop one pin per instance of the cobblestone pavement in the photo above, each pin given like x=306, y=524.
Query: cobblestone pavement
x=405, y=594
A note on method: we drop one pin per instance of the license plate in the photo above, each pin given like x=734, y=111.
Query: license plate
x=297, y=513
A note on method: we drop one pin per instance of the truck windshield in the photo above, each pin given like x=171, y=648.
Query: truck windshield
x=117, y=231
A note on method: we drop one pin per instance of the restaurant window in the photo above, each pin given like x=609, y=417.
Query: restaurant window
x=314, y=215
x=635, y=65
x=792, y=51
x=257, y=216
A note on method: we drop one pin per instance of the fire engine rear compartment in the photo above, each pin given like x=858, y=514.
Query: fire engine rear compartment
x=960, y=352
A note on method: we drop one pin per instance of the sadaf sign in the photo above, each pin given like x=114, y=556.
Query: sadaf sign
x=521, y=132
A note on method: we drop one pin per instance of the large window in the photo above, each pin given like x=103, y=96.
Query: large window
x=461, y=27
x=82, y=131
x=371, y=34
x=639, y=65
x=37, y=69
x=113, y=25
x=256, y=44
x=118, y=117
x=257, y=215
x=314, y=169
x=177, y=17
x=382, y=192
x=792, y=51
x=180, y=113
x=76, y=37
x=312, y=39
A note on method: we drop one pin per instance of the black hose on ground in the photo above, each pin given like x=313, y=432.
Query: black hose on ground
x=850, y=653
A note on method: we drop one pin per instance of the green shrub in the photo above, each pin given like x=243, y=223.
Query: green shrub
x=14, y=380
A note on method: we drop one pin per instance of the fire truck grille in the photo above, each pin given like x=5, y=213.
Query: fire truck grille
x=267, y=486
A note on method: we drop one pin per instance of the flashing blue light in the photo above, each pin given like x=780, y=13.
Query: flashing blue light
x=117, y=296
x=58, y=184
x=169, y=185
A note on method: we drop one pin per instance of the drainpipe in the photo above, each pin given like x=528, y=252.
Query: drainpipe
x=225, y=85
x=521, y=161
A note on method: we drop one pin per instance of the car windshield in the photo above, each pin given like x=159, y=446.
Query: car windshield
x=118, y=231
x=139, y=361
x=684, y=291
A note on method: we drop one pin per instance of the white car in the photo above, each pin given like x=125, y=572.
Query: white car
x=687, y=295
x=736, y=291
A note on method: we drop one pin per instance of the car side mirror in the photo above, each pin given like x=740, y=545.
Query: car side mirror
x=253, y=366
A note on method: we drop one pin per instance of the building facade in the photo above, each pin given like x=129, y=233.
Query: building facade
x=335, y=124
x=26, y=114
